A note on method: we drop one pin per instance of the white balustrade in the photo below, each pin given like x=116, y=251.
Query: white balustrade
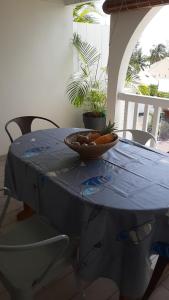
x=157, y=103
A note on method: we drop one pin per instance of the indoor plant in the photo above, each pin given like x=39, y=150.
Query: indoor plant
x=87, y=88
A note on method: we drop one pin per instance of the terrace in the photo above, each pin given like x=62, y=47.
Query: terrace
x=31, y=85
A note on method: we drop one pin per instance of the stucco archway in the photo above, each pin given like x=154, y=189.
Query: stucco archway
x=125, y=29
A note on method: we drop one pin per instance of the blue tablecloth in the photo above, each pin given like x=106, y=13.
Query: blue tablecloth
x=118, y=204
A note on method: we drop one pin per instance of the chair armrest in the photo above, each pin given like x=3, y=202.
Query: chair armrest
x=31, y=246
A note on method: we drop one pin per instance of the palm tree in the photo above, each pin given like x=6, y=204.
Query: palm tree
x=131, y=75
x=87, y=87
x=157, y=53
x=138, y=62
x=84, y=13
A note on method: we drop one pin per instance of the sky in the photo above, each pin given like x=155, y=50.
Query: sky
x=157, y=31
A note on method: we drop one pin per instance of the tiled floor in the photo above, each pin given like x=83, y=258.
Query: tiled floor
x=65, y=288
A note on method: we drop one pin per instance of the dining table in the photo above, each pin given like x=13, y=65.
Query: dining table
x=118, y=204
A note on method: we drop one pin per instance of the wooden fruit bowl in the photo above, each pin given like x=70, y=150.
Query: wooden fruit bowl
x=89, y=151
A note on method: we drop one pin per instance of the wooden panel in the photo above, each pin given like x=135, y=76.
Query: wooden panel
x=111, y=6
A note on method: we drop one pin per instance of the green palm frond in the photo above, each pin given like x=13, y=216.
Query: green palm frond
x=85, y=72
x=86, y=19
x=131, y=75
x=77, y=89
x=80, y=7
x=84, y=13
x=87, y=53
x=86, y=87
x=90, y=4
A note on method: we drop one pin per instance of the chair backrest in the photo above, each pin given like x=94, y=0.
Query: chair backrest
x=29, y=246
x=139, y=136
x=33, y=228
x=25, y=123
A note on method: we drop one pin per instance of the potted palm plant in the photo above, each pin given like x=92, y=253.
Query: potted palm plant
x=87, y=88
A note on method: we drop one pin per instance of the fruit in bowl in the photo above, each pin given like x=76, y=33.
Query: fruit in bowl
x=92, y=144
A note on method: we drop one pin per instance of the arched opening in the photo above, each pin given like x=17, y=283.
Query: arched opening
x=126, y=27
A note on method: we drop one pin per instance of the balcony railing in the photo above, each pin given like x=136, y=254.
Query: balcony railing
x=130, y=111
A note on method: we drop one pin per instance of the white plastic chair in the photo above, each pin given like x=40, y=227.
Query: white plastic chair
x=31, y=254
x=139, y=136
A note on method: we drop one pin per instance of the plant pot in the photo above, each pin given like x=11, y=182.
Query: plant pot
x=94, y=122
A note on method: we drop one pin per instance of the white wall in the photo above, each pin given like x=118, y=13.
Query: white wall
x=35, y=62
x=160, y=69
x=98, y=36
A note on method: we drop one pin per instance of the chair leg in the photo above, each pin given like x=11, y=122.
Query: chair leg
x=26, y=213
x=17, y=294
x=161, y=264
x=80, y=285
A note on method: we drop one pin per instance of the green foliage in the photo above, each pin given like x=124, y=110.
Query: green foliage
x=87, y=53
x=138, y=62
x=153, y=89
x=144, y=89
x=87, y=87
x=163, y=94
x=131, y=75
x=157, y=53
x=148, y=90
x=109, y=128
x=95, y=101
x=84, y=13
x=77, y=89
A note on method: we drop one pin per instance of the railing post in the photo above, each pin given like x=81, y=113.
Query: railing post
x=135, y=115
x=156, y=121
x=145, y=119
x=125, y=117
x=158, y=104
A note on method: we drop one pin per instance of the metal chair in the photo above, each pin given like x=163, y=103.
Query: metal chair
x=25, y=123
x=31, y=254
x=139, y=136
